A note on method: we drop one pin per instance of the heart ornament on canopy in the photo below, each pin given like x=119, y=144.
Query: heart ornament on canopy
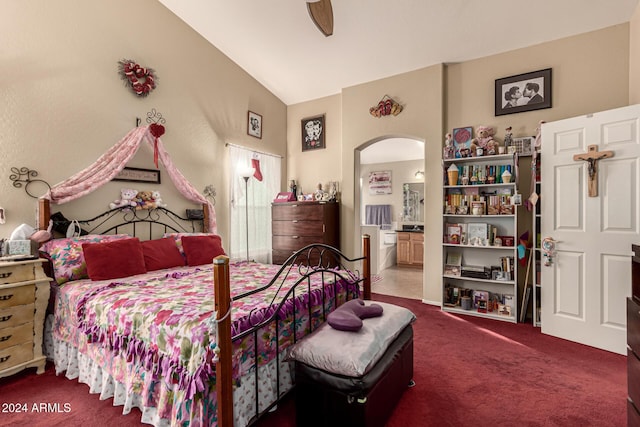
x=156, y=130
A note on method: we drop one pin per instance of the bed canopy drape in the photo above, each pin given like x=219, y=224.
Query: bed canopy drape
x=114, y=160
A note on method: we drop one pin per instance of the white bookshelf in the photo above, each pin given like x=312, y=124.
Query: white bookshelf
x=500, y=217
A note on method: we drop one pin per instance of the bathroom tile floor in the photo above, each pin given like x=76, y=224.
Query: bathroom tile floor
x=400, y=282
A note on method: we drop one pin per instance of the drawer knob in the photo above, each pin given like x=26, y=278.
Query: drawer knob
x=6, y=275
x=4, y=359
x=5, y=318
x=294, y=237
x=6, y=297
x=294, y=221
x=6, y=338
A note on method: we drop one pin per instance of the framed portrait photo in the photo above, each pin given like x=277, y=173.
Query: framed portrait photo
x=523, y=92
x=254, y=124
x=313, y=131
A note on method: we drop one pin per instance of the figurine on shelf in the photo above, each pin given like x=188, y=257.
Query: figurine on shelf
x=448, y=151
x=508, y=139
x=293, y=188
x=319, y=193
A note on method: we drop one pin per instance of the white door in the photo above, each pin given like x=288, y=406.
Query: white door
x=584, y=290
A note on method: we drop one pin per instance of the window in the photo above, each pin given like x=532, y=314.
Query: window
x=253, y=199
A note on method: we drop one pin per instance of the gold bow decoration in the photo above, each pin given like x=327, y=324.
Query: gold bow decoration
x=386, y=107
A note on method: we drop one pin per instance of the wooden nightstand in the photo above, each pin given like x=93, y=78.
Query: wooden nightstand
x=24, y=295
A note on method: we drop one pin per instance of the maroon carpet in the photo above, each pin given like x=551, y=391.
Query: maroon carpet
x=468, y=371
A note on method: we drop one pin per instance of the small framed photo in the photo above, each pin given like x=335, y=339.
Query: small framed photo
x=524, y=145
x=313, y=132
x=462, y=141
x=254, y=124
x=523, y=92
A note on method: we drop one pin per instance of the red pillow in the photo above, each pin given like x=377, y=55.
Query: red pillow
x=114, y=260
x=161, y=253
x=202, y=249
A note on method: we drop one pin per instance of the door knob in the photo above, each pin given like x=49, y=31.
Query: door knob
x=548, y=246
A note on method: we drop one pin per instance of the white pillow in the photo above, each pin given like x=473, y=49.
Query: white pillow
x=352, y=354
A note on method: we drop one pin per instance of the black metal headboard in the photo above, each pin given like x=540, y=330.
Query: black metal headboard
x=145, y=224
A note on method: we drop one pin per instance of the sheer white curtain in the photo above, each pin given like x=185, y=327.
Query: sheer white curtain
x=256, y=202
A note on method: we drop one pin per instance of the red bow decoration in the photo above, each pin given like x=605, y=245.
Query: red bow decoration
x=157, y=131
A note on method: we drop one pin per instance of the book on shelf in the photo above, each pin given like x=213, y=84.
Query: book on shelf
x=453, y=234
x=453, y=266
x=479, y=295
x=478, y=234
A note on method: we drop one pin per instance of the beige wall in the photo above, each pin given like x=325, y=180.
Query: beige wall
x=63, y=103
x=590, y=73
x=634, y=58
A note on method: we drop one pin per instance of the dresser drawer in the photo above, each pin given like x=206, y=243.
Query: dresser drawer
x=16, y=335
x=297, y=228
x=633, y=325
x=297, y=211
x=14, y=316
x=16, y=272
x=292, y=243
x=19, y=295
x=12, y=356
x=279, y=257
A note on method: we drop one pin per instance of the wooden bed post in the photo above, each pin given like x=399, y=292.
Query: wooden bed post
x=366, y=265
x=205, y=218
x=44, y=213
x=224, y=373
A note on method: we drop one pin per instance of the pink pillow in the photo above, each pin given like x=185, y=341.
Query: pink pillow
x=114, y=260
x=202, y=249
x=67, y=258
x=161, y=253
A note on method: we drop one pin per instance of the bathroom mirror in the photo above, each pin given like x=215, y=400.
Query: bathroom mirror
x=413, y=202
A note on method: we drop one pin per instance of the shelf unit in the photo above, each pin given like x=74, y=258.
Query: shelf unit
x=536, y=251
x=497, y=259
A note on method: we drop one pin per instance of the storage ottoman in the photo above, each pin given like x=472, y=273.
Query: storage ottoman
x=367, y=396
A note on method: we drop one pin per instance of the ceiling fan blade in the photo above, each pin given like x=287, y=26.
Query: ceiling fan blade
x=321, y=14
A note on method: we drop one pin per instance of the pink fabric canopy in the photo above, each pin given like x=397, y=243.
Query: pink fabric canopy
x=113, y=161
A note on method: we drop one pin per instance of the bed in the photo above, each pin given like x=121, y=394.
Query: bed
x=200, y=344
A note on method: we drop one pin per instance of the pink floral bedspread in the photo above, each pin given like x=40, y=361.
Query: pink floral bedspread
x=152, y=331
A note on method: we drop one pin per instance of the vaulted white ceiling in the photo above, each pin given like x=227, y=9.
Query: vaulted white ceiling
x=277, y=43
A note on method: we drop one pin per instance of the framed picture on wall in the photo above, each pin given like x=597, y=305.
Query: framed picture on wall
x=523, y=92
x=380, y=182
x=313, y=131
x=254, y=124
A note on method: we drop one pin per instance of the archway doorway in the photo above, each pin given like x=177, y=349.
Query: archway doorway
x=387, y=170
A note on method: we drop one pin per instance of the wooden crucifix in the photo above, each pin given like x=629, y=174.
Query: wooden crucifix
x=592, y=156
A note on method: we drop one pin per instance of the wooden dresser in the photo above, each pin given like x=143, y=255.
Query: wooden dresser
x=298, y=224
x=633, y=342
x=24, y=295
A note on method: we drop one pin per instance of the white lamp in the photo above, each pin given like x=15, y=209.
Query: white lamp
x=419, y=175
x=246, y=172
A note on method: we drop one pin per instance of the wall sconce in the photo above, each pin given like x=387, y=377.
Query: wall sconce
x=419, y=175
